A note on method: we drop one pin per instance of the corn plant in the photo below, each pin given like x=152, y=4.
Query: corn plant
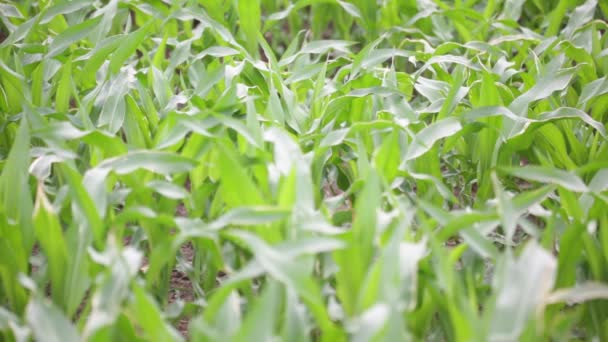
x=303, y=170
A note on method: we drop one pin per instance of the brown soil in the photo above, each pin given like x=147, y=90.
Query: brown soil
x=180, y=284
x=181, y=288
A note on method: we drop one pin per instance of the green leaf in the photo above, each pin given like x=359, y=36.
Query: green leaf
x=149, y=317
x=9, y=10
x=549, y=175
x=128, y=47
x=542, y=88
x=249, y=216
x=114, y=108
x=15, y=200
x=72, y=35
x=164, y=163
x=250, y=23
x=260, y=321
x=355, y=260
x=579, y=294
x=84, y=205
x=167, y=189
x=48, y=323
x=50, y=236
x=237, y=186
x=425, y=139
x=64, y=88
x=531, y=277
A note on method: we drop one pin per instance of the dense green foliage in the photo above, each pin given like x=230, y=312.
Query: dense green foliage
x=308, y=170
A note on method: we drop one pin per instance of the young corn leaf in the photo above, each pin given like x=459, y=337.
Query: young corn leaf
x=48, y=323
x=52, y=242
